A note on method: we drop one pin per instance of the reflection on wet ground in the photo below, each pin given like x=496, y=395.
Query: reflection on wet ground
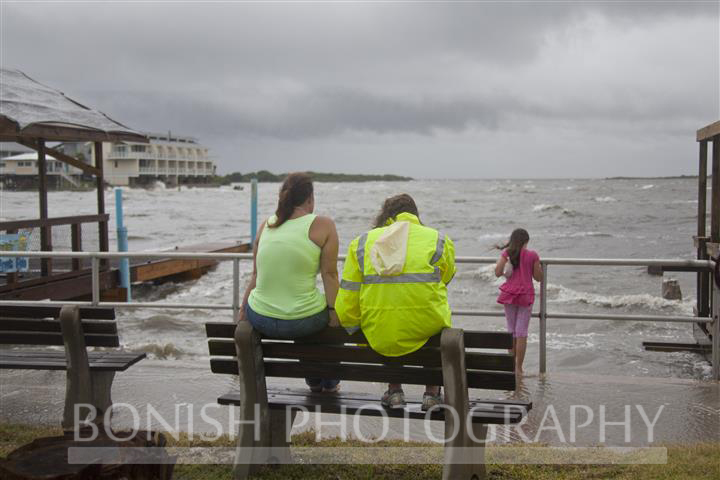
x=568, y=409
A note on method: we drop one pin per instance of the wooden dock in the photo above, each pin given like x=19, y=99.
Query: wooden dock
x=77, y=284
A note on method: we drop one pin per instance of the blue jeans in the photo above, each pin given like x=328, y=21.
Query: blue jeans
x=290, y=330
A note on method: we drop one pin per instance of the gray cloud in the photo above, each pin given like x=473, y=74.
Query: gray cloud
x=331, y=76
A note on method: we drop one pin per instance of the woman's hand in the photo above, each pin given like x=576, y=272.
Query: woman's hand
x=334, y=320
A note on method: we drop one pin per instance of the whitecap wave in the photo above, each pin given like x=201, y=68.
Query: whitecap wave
x=561, y=294
x=553, y=208
x=605, y=199
x=647, y=187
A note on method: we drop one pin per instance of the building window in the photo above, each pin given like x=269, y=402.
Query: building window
x=138, y=148
x=116, y=164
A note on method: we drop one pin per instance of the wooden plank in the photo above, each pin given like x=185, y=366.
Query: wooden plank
x=36, y=325
x=165, y=268
x=428, y=356
x=15, y=337
x=72, y=285
x=40, y=222
x=40, y=311
x=103, y=238
x=706, y=133
x=338, y=335
x=491, y=380
x=60, y=363
x=350, y=406
x=496, y=403
x=9, y=132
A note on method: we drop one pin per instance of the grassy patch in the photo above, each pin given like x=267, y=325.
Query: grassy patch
x=698, y=461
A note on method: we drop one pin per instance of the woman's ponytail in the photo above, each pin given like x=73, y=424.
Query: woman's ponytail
x=295, y=190
x=518, y=238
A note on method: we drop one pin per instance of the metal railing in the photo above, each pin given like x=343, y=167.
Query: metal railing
x=543, y=315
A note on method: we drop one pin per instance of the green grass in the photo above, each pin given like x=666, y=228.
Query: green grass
x=698, y=461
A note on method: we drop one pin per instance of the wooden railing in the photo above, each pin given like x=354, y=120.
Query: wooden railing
x=46, y=225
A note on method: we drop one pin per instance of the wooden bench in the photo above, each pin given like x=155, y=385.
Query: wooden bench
x=445, y=360
x=89, y=374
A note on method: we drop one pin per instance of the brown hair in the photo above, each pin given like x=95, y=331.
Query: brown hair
x=295, y=190
x=394, y=206
x=518, y=238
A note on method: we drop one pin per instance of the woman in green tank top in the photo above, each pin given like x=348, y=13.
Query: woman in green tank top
x=282, y=299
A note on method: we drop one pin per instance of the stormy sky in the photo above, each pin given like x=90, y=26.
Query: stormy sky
x=430, y=90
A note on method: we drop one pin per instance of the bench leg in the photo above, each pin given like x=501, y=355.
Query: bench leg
x=464, y=457
x=101, y=395
x=280, y=426
x=251, y=450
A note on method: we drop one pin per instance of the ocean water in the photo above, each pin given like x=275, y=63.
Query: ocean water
x=595, y=218
x=589, y=362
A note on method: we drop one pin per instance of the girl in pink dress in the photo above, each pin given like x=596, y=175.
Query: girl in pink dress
x=517, y=294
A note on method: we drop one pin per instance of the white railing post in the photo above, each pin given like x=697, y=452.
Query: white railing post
x=543, y=320
x=236, y=288
x=95, y=263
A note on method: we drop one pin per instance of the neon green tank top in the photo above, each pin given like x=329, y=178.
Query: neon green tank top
x=287, y=266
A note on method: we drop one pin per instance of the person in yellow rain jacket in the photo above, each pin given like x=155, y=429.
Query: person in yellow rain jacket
x=394, y=287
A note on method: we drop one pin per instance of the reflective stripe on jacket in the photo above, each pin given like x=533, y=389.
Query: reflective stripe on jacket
x=397, y=309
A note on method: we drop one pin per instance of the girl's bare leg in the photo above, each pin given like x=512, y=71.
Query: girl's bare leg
x=520, y=346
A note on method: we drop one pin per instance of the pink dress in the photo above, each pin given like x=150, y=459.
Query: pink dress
x=519, y=289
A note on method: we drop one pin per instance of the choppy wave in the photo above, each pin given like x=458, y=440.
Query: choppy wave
x=161, y=351
x=559, y=293
x=553, y=208
x=605, y=199
x=647, y=187
x=588, y=234
x=166, y=322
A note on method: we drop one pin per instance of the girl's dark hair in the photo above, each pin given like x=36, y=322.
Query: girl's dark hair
x=296, y=188
x=393, y=206
x=518, y=238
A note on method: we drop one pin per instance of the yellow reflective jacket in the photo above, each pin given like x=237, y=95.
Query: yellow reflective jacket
x=394, y=285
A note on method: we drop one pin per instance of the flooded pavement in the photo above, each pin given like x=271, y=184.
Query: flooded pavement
x=568, y=409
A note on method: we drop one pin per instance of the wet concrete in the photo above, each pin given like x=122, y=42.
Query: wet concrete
x=568, y=409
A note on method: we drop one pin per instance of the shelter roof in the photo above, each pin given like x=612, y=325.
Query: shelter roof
x=30, y=110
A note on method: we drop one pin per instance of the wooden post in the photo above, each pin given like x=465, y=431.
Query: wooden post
x=715, y=329
x=102, y=225
x=83, y=385
x=715, y=199
x=703, y=290
x=76, y=242
x=464, y=453
x=254, y=429
x=45, y=232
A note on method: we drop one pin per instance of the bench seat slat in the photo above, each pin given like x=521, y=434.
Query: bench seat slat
x=41, y=325
x=95, y=313
x=492, y=380
x=54, y=338
x=473, y=339
x=485, y=413
x=56, y=360
x=495, y=403
x=352, y=353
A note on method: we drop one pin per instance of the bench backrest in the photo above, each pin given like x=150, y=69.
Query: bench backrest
x=39, y=325
x=319, y=356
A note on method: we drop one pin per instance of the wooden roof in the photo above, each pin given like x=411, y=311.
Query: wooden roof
x=30, y=110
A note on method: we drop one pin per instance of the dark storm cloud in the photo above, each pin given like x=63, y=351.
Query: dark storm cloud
x=315, y=70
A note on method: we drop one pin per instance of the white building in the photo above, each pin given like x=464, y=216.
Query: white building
x=170, y=158
x=21, y=170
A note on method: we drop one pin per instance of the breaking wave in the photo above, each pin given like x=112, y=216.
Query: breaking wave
x=554, y=208
x=160, y=351
x=605, y=199
x=558, y=293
